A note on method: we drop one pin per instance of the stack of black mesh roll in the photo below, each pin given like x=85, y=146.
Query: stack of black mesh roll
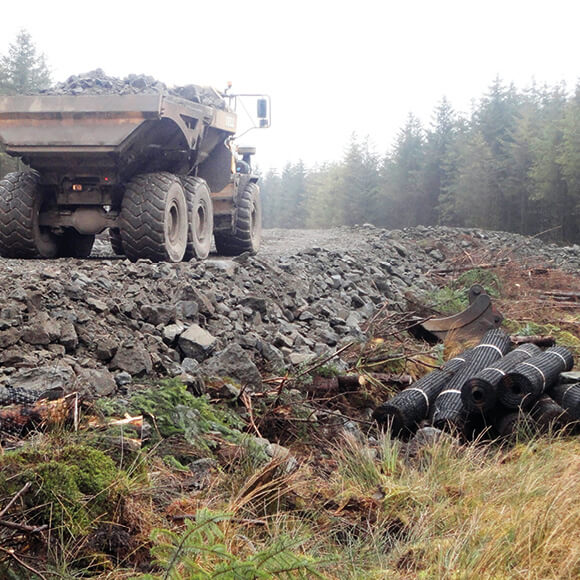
x=479, y=393
x=523, y=385
x=544, y=415
x=448, y=410
x=408, y=408
x=568, y=397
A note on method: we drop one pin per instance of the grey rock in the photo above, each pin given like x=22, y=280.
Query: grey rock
x=233, y=361
x=9, y=337
x=68, y=336
x=299, y=358
x=186, y=309
x=196, y=343
x=132, y=358
x=255, y=304
x=123, y=378
x=97, y=304
x=191, y=366
x=172, y=332
x=105, y=348
x=96, y=382
x=158, y=313
x=45, y=377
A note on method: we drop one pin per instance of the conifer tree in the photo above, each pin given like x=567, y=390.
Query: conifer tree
x=23, y=69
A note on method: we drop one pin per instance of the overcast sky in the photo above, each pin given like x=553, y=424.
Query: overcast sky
x=331, y=68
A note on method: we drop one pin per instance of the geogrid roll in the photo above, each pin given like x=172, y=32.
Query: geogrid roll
x=409, y=407
x=568, y=397
x=479, y=393
x=17, y=396
x=506, y=425
x=448, y=410
x=533, y=377
x=549, y=415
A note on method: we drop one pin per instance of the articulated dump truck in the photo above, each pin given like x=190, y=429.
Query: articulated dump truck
x=160, y=172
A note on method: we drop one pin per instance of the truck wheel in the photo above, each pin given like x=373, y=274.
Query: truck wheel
x=21, y=235
x=200, y=210
x=74, y=245
x=153, y=220
x=247, y=231
x=116, y=242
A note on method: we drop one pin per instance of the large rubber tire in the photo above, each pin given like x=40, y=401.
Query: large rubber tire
x=200, y=210
x=153, y=220
x=116, y=242
x=74, y=245
x=247, y=231
x=21, y=236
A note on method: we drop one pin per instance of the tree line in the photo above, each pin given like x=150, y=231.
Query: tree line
x=512, y=164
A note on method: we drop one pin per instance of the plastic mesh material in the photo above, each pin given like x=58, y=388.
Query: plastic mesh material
x=409, y=407
x=568, y=397
x=549, y=415
x=531, y=378
x=448, y=409
x=17, y=396
x=506, y=425
x=479, y=393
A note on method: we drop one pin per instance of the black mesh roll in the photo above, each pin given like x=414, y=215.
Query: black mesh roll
x=531, y=378
x=568, y=397
x=409, y=407
x=507, y=425
x=448, y=410
x=479, y=393
x=548, y=415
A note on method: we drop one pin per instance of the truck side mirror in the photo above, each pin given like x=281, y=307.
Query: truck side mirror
x=262, y=108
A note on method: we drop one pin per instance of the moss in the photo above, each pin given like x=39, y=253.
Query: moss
x=71, y=485
x=562, y=337
x=328, y=371
x=174, y=463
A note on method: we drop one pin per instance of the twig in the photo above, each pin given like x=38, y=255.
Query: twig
x=11, y=502
x=324, y=360
x=13, y=555
x=247, y=402
x=23, y=527
x=455, y=269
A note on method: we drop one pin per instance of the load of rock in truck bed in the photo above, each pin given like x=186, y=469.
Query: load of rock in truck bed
x=96, y=82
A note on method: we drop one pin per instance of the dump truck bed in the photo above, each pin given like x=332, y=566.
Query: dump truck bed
x=119, y=134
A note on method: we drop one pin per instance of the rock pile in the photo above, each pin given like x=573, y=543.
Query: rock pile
x=96, y=82
x=92, y=325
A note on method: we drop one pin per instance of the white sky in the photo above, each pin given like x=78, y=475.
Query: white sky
x=331, y=68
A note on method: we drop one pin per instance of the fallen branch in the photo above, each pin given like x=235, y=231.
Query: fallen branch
x=456, y=269
x=23, y=527
x=535, y=339
x=324, y=360
x=22, y=563
x=15, y=498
